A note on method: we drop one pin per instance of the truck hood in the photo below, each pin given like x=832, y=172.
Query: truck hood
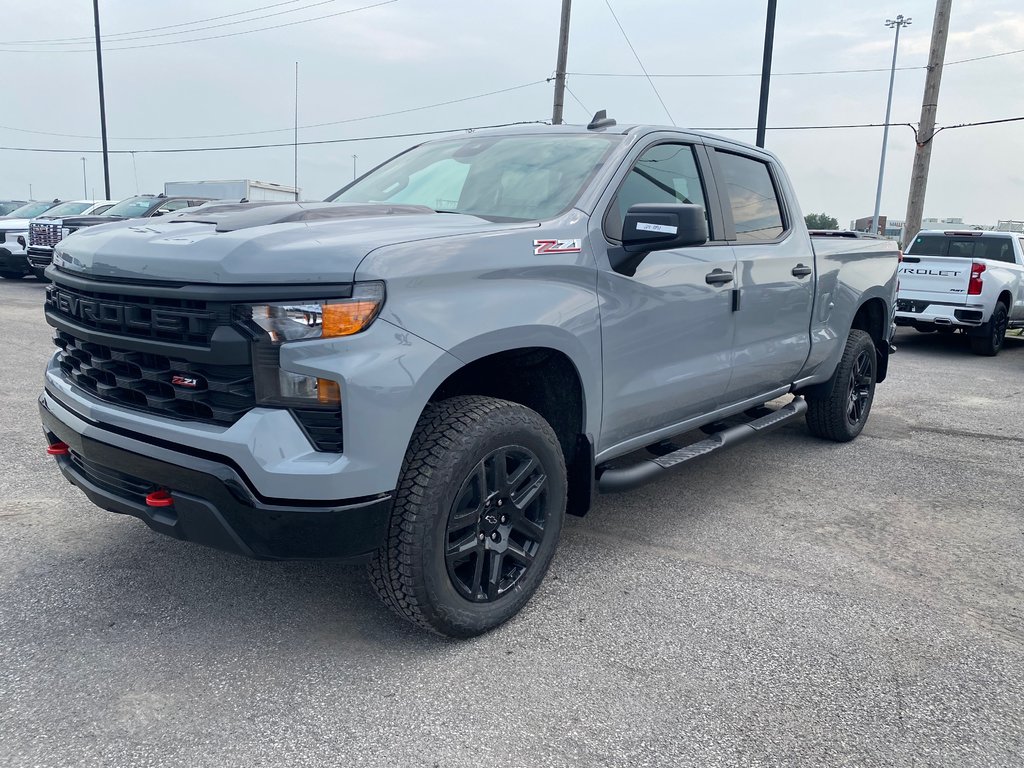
x=13, y=225
x=291, y=243
x=90, y=221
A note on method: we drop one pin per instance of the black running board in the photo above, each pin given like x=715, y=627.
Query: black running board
x=626, y=478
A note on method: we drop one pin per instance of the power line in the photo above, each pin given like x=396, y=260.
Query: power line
x=577, y=100
x=176, y=150
x=209, y=37
x=213, y=26
x=637, y=57
x=788, y=74
x=283, y=130
x=110, y=35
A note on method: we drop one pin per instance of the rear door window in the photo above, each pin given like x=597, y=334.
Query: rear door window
x=756, y=210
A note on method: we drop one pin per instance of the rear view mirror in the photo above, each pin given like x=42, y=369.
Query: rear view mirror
x=657, y=227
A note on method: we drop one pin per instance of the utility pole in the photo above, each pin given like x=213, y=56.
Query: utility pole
x=898, y=23
x=926, y=128
x=85, y=183
x=295, y=140
x=766, y=72
x=563, y=55
x=103, y=108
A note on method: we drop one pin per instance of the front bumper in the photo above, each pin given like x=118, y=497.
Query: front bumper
x=214, y=503
x=13, y=261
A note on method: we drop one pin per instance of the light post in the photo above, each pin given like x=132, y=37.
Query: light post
x=85, y=184
x=354, y=167
x=898, y=23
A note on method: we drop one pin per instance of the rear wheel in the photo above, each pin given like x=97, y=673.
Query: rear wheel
x=477, y=516
x=840, y=414
x=990, y=336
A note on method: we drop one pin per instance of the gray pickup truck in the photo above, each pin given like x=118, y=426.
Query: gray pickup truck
x=433, y=367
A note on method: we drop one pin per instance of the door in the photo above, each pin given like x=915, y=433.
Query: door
x=774, y=281
x=667, y=330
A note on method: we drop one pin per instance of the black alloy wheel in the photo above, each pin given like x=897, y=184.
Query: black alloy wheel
x=838, y=409
x=860, y=389
x=476, y=518
x=497, y=524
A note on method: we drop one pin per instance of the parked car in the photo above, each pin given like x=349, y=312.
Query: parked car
x=968, y=280
x=40, y=254
x=430, y=369
x=6, y=206
x=13, y=238
x=40, y=229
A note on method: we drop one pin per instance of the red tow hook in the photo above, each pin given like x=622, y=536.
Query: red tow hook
x=159, y=498
x=58, y=449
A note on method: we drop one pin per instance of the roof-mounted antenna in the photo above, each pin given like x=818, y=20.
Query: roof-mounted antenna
x=601, y=120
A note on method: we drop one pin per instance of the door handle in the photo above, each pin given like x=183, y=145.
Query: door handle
x=718, y=277
x=801, y=271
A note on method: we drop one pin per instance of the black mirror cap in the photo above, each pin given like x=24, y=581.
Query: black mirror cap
x=663, y=226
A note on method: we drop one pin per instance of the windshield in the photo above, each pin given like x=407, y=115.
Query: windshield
x=130, y=208
x=7, y=207
x=517, y=178
x=30, y=210
x=67, y=209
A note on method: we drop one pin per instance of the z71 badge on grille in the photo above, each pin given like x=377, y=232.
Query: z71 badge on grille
x=556, y=246
x=184, y=381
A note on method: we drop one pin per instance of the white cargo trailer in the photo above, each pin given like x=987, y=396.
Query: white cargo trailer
x=234, y=189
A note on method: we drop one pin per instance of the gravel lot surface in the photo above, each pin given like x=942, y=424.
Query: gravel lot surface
x=789, y=602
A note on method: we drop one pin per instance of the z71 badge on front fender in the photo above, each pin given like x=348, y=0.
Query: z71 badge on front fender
x=556, y=246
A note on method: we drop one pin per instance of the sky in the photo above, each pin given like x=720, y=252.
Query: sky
x=376, y=68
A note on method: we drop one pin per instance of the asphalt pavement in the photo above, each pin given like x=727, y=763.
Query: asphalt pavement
x=790, y=602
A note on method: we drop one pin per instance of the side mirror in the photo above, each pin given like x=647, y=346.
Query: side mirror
x=657, y=227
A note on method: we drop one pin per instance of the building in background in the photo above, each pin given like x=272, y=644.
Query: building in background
x=890, y=229
x=1010, y=225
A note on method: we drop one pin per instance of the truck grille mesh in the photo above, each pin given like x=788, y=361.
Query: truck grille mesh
x=43, y=235
x=166, y=386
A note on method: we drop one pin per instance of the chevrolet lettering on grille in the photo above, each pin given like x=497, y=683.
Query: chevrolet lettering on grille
x=128, y=316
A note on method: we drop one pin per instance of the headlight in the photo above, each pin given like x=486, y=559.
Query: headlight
x=291, y=321
x=323, y=319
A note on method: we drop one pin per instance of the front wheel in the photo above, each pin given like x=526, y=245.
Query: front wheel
x=990, y=336
x=477, y=516
x=840, y=414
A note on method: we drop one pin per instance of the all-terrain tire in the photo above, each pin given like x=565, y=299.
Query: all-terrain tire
x=456, y=561
x=841, y=412
x=990, y=336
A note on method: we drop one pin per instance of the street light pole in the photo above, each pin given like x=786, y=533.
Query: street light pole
x=85, y=183
x=898, y=23
x=354, y=167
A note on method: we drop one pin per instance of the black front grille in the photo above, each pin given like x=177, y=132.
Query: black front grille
x=46, y=235
x=157, y=384
x=112, y=480
x=173, y=320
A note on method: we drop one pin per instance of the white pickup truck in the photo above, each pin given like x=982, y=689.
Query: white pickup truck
x=970, y=280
